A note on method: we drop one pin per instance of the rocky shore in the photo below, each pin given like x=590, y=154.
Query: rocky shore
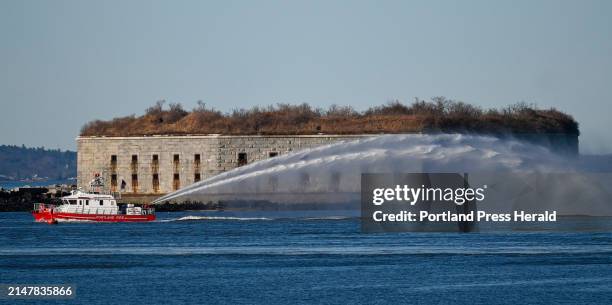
x=22, y=199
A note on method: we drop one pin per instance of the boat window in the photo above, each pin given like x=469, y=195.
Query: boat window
x=86, y=202
x=80, y=202
x=101, y=202
x=72, y=201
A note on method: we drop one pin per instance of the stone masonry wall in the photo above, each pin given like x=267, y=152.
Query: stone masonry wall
x=131, y=159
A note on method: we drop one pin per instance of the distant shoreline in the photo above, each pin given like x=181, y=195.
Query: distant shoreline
x=11, y=184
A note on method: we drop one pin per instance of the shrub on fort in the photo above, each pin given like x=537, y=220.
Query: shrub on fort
x=156, y=109
x=341, y=112
x=439, y=114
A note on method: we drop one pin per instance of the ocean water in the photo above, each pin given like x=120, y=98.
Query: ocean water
x=242, y=258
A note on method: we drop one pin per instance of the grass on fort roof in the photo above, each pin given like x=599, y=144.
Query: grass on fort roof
x=437, y=115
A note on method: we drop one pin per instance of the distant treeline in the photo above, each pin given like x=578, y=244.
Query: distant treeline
x=20, y=162
x=438, y=115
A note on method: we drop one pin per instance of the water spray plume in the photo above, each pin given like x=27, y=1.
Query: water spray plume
x=336, y=168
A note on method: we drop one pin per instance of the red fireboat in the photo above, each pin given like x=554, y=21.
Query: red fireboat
x=81, y=206
x=91, y=207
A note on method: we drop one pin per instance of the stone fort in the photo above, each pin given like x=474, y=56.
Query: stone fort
x=162, y=151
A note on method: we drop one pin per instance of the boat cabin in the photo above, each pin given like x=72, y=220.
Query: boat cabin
x=89, y=203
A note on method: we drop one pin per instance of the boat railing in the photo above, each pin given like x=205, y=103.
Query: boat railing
x=116, y=195
x=148, y=211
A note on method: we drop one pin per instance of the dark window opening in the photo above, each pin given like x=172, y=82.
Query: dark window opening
x=135, y=183
x=176, y=182
x=134, y=164
x=176, y=163
x=242, y=159
x=273, y=182
x=196, y=162
x=273, y=154
x=113, y=163
x=304, y=179
x=196, y=177
x=334, y=184
x=101, y=202
x=155, y=183
x=86, y=202
x=155, y=164
x=72, y=201
x=113, y=182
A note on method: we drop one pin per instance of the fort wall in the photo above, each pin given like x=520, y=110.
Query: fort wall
x=146, y=167
x=156, y=165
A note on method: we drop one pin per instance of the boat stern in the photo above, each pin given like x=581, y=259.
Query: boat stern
x=43, y=213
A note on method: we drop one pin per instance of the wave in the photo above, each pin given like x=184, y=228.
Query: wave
x=195, y=218
x=235, y=218
x=330, y=218
x=315, y=250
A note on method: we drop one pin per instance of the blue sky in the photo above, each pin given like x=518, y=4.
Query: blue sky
x=64, y=63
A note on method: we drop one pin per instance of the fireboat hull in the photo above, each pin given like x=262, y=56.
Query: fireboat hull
x=51, y=218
